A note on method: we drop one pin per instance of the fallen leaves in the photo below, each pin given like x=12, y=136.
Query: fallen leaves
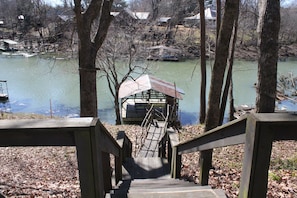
x=52, y=172
x=227, y=165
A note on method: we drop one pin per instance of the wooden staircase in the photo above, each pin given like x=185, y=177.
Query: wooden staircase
x=149, y=174
x=149, y=177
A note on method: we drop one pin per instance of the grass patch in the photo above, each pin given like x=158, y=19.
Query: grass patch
x=288, y=164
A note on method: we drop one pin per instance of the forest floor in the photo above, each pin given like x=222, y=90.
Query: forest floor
x=28, y=172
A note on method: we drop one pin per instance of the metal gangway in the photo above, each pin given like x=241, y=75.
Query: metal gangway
x=153, y=126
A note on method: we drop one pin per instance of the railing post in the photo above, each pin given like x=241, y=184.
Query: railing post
x=205, y=165
x=169, y=151
x=256, y=161
x=89, y=158
x=106, y=171
x=162, y=148
x=118, y=168
x=175, y=164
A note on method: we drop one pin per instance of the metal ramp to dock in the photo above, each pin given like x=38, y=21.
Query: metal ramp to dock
x=151, y=143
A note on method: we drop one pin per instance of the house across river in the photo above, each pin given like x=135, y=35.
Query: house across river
x=138, y=96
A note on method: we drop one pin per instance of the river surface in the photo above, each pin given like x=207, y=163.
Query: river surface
x=36, y=85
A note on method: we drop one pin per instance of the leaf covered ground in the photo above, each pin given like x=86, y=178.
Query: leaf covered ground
x=52, y=171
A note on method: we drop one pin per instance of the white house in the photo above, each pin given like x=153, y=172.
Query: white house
x=210, y=17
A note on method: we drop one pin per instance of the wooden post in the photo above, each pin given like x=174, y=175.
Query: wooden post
x=175, y=164
x=169, y=151
x=118, y=168
x=162, y=148
x=107, y=173
x=205, y=165
x=259, y=138
x=90, y=179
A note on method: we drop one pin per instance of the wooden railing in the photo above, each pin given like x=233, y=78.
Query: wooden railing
x=93, y=144
x=257, y=132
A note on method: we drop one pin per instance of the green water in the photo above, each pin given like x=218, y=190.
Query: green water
x=35, y=83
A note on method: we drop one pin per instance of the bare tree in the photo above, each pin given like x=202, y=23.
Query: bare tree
x=117, y=63
x=93, y=20
x=288, y=29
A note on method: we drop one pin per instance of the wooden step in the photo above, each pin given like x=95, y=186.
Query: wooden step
x=146, y=167
x=149, y=178
x=153, y=188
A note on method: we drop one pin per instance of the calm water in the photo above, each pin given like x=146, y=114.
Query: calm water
x=35, y=83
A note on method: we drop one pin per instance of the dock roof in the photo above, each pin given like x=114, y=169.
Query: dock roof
x=148, y=82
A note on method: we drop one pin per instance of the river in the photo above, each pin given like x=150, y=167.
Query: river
x=37, y=84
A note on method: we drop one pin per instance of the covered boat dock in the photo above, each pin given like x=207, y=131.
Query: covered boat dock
x=138, y=96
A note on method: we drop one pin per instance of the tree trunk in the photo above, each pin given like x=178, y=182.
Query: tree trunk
x=222, y=51
x=231, y=107
x=117, y=107
x=88, y=93
x=155, y=9
x=229, y=74
x=88, y=48
x=87, y=73
x=202, y=63
x=268, y=29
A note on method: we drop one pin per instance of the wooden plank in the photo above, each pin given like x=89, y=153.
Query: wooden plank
x=107, y=173
x=262, y=130
x=256, y=160
x=41, y=132
x=175, y=163
x=62, y=124
x=107, y=143
x=97, y=157
x=85, y=164
x=118, y=169
x=37, y=138
x=226, y=135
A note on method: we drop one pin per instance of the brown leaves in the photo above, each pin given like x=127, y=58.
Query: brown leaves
x=227, y=163
x=39, y=172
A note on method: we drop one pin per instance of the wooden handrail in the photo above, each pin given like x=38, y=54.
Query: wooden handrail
x=229, y=134
x=93, y=143
x=257, y=131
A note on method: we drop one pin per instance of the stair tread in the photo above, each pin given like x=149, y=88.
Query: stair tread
x=147, y=167
x=156, y=184
x=172, y=193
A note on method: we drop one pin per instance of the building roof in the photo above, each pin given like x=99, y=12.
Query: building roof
x=164, y=19
x=209, y=15
x=141, y=15
x=66, y=18
x=11, y=42
x=148, y=82
x=134, y=15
